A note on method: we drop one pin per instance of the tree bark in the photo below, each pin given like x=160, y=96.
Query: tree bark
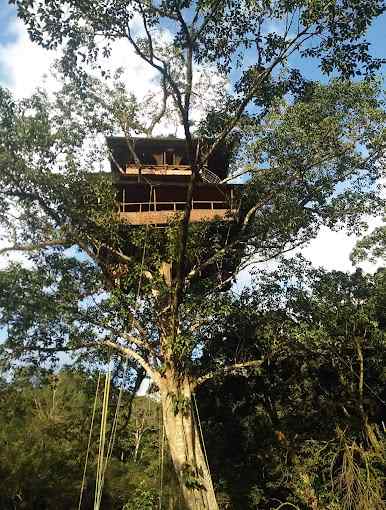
x=185, y=445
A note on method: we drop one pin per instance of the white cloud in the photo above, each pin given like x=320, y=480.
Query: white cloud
x=23, y=64
x=139, y=77
x=332, y=250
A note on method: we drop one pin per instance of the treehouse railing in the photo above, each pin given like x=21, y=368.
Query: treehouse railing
x=206, y=174
x=158, y=169
x=172, y=206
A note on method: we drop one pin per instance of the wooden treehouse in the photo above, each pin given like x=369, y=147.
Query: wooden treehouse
x=154, y=190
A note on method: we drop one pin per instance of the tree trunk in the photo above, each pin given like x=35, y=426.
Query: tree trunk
x=185, y=446
x=137, y=439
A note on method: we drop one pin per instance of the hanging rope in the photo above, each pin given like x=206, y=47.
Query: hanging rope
x=162, y=445
x=137, y=297
x=202, y=441
x=102, y=459
x=102, y=441
x=89, y=442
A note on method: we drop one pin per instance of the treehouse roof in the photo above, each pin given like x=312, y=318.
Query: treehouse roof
x=148, y=151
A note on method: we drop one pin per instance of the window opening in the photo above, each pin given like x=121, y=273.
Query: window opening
x=169, y=157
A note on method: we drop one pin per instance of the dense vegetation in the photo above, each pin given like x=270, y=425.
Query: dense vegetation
x=309, y=427
x=45, y=425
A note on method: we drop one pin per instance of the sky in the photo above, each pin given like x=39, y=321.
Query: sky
x=24, y=66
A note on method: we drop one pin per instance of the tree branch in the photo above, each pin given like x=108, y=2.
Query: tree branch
x=219, y=254
x=206, y=20
x=230, y=369
x=130, y=146
x=36, y=246
x=55, y=349
x=139, y=342
x=189, y=65
x=162, y=69
x=290, y=48
x=254, y=209
x=25, y=195
x=127, y=351
x=161, y=113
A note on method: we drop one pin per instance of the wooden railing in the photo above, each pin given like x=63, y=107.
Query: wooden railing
x=172, y=206
x=132, y=169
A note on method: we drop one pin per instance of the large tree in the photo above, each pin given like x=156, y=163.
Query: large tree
x=312, y=154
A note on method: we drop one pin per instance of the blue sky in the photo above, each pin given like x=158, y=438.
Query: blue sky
x=7, y=14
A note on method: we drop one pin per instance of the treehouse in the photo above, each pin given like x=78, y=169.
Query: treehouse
x=152, y=178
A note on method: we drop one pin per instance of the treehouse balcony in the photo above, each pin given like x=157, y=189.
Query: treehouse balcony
x=141, y=204
x=162, y=213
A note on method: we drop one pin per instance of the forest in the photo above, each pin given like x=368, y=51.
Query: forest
x=194, y=364
x=307, y=429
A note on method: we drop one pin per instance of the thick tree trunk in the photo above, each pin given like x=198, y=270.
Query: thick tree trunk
x=185, y=446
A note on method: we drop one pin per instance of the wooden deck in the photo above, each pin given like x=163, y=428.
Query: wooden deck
x=164, y=217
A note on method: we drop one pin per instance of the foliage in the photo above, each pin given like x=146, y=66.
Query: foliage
x=143, y=499
x=67, y=299
x=307, y=428
x=371, y=246
x=85, y=298
x=302, y=429
x=220, y=34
